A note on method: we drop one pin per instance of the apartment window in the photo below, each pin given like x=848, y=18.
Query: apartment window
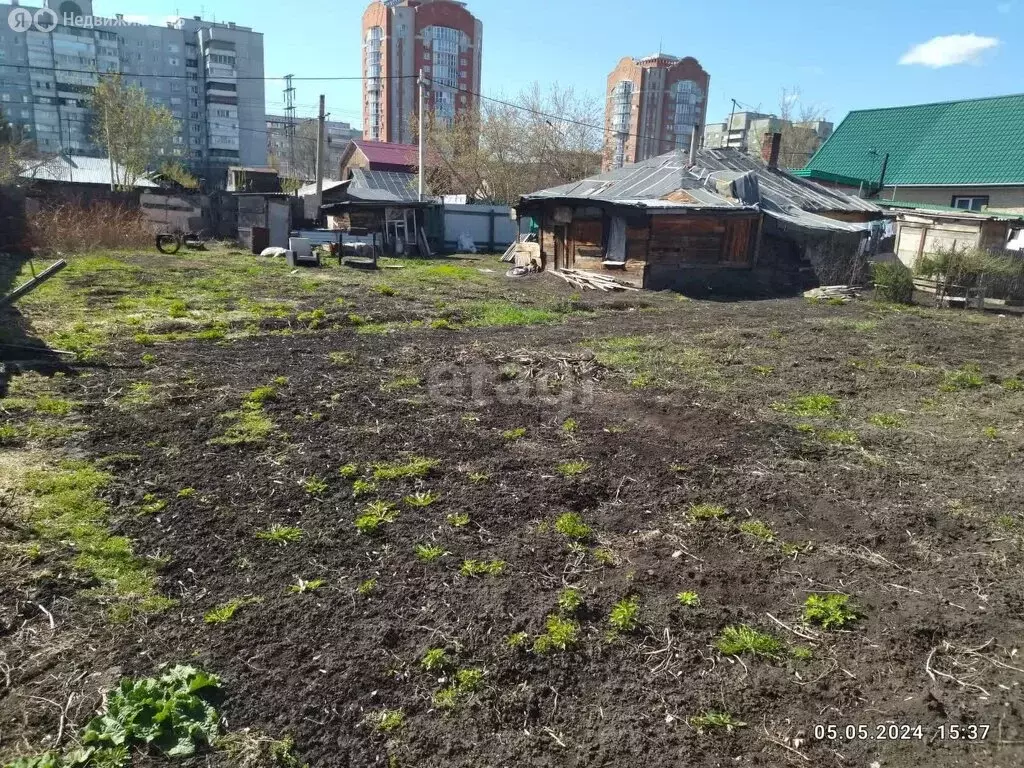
x=688, y=97
x=445, y=44
x=970, y=202
x=173, y=48
x=5, y=97
x=173, y=61
x=193, y=115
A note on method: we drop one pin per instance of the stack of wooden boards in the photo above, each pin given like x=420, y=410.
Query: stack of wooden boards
x=592, y=281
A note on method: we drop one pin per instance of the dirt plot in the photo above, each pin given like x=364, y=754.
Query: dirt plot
x=472, y=521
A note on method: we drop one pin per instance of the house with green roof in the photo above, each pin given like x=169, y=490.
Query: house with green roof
x=960, y=154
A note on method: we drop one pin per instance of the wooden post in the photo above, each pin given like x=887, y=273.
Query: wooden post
x=490, y=244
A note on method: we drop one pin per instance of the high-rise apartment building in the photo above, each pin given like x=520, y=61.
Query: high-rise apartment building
x=654, y=105
x=401, y=37
x=746, y=131
x=209, y=75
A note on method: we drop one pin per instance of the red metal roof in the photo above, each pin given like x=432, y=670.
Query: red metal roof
x=385, y=153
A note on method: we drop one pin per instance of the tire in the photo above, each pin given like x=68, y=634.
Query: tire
x=168, y=244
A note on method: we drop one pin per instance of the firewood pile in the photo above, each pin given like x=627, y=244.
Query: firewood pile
x=592, y=281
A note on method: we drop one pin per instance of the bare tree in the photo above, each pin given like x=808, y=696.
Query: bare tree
x=800, y=139
x=516, y=146
x=133, y=130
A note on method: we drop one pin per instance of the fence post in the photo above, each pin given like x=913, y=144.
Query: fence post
x=490, y=244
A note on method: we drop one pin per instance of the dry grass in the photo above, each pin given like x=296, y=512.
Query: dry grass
x=66, y=227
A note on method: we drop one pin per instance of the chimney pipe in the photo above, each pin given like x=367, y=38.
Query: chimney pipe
x=694, y=141
x=771, y=145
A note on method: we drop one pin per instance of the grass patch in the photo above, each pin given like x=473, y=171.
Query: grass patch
x=386, y=720
x=649, y=361
x=737, y=640
x=341, y=358
x=282, y=535
x=435, y=660
x=570, y=600
x=348, y=471
x=457, y=519
x=376, y=514
x=314, y=486
x=571, y=525
x=701, y=512
x=625, y=615
x=514, y=434
x=561, y=635
x=417, y=466
x=758, y=530
x=887, y=420
x=714, y=720
x=829, y=611
x=570, y=425
x=225, y=612
x=363, y=487
x=840, y=436
x=68, y=513
x=964, y=377
x=399, y=383
x=466, y=683
x=248, y=426
x=517, y=640
x=573, y=468
x=764, y=371
x=808, y=406
x=479, y=568
x=503, y=314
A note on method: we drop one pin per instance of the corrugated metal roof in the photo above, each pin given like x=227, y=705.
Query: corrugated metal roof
x=386, y=153
x=384, y=186
x=310, y=189
x=75, y=169
x=643, y=184
x=977, y=141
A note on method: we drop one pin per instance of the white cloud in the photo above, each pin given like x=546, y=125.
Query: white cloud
x=948, y=50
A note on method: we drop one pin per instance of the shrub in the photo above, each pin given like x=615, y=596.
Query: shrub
x=893, y=282
x=561, y=635
x=569, y=600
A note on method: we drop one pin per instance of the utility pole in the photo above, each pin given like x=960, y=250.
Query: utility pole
x=320, y=158
x=110, y=154
x=423, y=90
x=289, y=110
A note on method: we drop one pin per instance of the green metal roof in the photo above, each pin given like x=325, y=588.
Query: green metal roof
x=954, y=143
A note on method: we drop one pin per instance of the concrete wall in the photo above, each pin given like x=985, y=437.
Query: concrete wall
x=1000, y=198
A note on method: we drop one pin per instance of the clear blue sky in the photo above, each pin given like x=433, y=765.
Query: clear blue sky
x=843, y=55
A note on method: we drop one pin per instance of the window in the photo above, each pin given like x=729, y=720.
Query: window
x=173, y=61
x=688, y=97
x=970, y=203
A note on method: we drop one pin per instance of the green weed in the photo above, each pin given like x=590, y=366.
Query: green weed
x=348, y=471
x=840, y=436
x=282, y=535
x=571, y=525
x=561, y=635
x=302, y=586
x=458, y=519
x=247, y=426
x=367, y=588
x=625, y=615
x=517, y=640
x=737, y=640
x=501, y=314
x=363, y=487
x=226, y=611
x=758, y=530
x=385, y=290
x=259, y=397
x=991, y=433
x=573, y=468
x=466, y=682
x=570, y=600
x=399, y=383
x=570, y=425
x=763, y=370
x=829, y=611
x=604, y=556
x=315, y=486
x=1013, y=385
x=422, y=498
x=965, y=377
x=374, y=515
x=475, y=568
x=808, y=406
x=887, y=420
x=688, y=599
x=479, y=477
x=428, y=553
x=152, y=504
x=435, y=659
x=341, y=358
x=700, y=512
x=514, y=434
x=802, y=653
x=186, y=493
x=386, y=720
x=417, y=466
x=711, y=719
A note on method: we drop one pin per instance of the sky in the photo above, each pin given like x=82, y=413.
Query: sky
x=840, y=55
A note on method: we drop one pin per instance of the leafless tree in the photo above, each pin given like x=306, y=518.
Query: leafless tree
x=800, y=140
x=515, y=146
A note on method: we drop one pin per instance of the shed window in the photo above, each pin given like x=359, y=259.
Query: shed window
x=970, y=203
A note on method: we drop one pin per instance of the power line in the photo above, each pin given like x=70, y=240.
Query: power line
x=187, y=77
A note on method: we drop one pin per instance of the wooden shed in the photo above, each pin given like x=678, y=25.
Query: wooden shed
x=924, y=230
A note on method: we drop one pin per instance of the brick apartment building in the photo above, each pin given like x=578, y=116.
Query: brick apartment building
x=654, y=105
x=399, y=38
